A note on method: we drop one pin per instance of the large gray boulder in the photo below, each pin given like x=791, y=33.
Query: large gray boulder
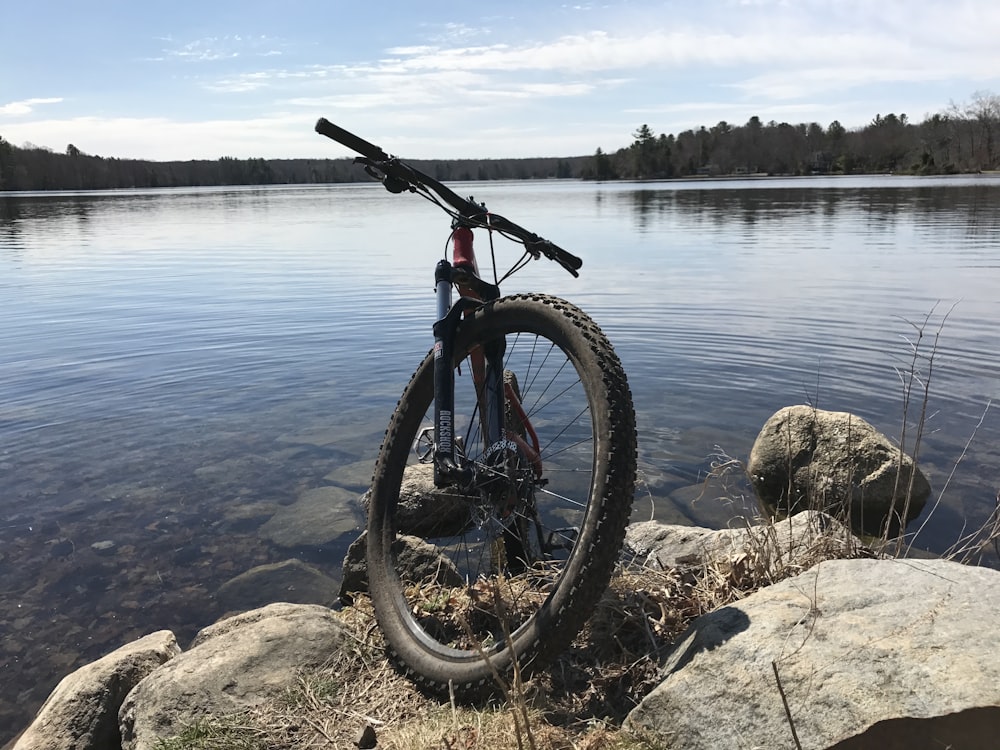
x=82, y=712
x=836, y=462
x=231, y=666
x=865, y=650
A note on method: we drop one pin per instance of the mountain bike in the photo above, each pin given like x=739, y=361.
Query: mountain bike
x=503, y=486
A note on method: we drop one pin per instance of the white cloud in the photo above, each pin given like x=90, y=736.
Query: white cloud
x=226, y=47
x=411, y=132
x=26, y=106
x=600, y=51
x=160, y=138
x=818, y=81
x=437, y=89
x=202, y=50
x=887, y=36
x=241, y=83
x=420, y=49
x=786, y=52
x=389, y=85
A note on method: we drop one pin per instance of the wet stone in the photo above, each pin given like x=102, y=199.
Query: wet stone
x=105, y=548
x=187, y=555
x=289, y=581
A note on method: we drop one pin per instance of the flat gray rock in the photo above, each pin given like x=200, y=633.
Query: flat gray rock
x=870, y=653
x=356, y=475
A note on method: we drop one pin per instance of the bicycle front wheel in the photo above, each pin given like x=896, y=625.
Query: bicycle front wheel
x=469, y=581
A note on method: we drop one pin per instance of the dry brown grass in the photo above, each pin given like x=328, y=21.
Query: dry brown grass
x=577, y=703
x=331, y=707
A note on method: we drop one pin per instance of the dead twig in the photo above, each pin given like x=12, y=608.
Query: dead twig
x=784, y=702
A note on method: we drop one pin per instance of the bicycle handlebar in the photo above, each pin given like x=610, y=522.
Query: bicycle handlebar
x=353, y=142
x=400, y=176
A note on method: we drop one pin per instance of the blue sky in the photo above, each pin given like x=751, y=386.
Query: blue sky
x=194, y=80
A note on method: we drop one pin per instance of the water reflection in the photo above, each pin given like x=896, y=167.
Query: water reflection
x=970, y=207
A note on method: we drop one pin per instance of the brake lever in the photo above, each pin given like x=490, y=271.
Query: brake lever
x=390, y=182
x=554, y=252
x=533, y=249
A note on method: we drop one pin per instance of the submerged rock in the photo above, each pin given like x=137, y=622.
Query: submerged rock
x=105, y=548
x=356, y=475
x=288, y=581
x=319, y=516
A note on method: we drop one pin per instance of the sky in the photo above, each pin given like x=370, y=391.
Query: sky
x=434, y=79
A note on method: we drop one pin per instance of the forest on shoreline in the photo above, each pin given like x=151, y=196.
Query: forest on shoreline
x=963, y=138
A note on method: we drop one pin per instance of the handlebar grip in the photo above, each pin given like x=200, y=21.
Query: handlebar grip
x=564, y=258
x=353, y=142
x=569, y=261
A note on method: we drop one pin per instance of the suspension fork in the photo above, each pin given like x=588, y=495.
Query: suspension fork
x=473, y=291
x=446, y=469
x=486, y=363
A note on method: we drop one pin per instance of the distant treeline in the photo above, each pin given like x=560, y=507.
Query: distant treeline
x=35, y=168
x=963, y=138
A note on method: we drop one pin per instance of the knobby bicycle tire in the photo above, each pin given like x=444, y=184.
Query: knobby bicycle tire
x=457, y=600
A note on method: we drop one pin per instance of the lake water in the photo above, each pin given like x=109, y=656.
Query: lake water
x=180, y=370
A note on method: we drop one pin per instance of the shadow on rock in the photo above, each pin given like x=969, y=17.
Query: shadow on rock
x=706, y=633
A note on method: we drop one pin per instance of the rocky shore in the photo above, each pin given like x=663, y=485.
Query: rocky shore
x=859, y=652
x=775, y=634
